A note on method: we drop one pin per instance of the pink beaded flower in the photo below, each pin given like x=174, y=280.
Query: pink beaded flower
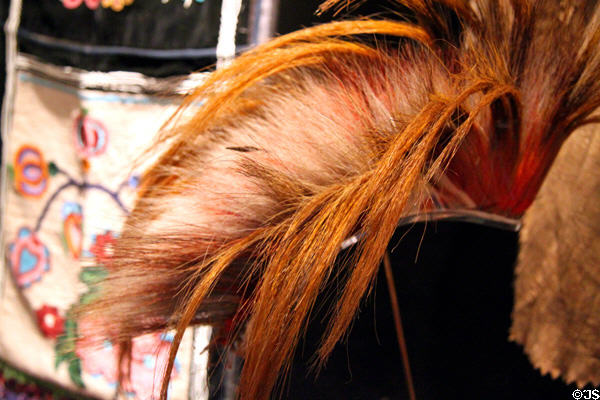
x=91, y=4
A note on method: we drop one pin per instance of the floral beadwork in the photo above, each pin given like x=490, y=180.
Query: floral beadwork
x=97, y=359
x=91, y=137
x=84, y=351
x=72, y=228
x=102, y=247
x=71, y=4
x=29, y=258
x=50, y=322
x=30, y=172
x=147, y=353
x=116, y=5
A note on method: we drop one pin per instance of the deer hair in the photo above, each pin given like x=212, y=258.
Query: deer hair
x=333, y=131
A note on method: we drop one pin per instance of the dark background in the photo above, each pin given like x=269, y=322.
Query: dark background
x=456, y=297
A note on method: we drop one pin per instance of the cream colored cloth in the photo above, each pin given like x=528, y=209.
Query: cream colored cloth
x=72, y=178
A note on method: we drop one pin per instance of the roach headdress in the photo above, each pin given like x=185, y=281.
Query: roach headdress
x=334, y=131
